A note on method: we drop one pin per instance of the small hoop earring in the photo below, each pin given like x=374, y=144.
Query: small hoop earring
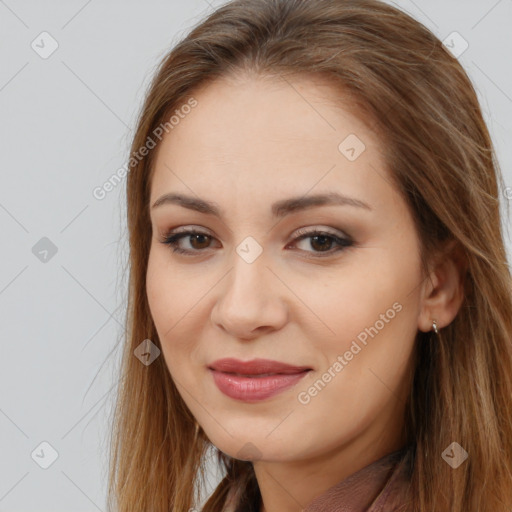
x=434, y=326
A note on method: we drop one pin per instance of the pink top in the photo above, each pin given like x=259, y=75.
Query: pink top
x=382, y=486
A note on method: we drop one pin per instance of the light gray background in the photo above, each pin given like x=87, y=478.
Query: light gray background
x=66, y=124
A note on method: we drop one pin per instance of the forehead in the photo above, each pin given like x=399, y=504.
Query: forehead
x=263, y=135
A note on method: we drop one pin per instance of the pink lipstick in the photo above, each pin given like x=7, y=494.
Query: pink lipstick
x=255, y=380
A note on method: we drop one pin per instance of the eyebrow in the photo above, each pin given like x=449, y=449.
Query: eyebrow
x=279, y=209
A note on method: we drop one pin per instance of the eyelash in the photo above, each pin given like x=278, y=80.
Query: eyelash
x=172, y=239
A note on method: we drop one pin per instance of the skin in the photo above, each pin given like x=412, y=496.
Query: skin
x=252, y=141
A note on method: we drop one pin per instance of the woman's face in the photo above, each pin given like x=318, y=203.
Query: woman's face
x=332, y=287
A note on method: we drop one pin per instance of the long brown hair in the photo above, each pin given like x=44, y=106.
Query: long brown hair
x=406, y=86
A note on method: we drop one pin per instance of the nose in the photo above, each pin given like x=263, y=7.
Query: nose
x=251, y=302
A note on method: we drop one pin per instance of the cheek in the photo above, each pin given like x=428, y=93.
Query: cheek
x=165, y=299
x=159, y=289
x=370, y=302
x=351, y=299
x=170, y=294
x=173, y=301
x=374, y=319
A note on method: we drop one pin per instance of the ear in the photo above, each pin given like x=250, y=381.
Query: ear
x=443, y=290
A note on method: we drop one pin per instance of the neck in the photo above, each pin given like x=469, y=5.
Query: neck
x=290, y=486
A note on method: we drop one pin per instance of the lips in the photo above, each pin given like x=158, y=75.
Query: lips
x=256, y=367
x=256, y=380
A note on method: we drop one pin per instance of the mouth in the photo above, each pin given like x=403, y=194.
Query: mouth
x=255, y=388
x=256, y=367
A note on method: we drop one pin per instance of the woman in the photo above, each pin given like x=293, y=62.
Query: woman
x=316, y=253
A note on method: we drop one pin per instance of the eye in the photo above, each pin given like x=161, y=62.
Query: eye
x=197, y=240
x=324, y=243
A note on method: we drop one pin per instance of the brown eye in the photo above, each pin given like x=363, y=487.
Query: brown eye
x=322, y=242
x=197, y=241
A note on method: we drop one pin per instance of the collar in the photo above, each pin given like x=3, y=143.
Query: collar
x=382, y=486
